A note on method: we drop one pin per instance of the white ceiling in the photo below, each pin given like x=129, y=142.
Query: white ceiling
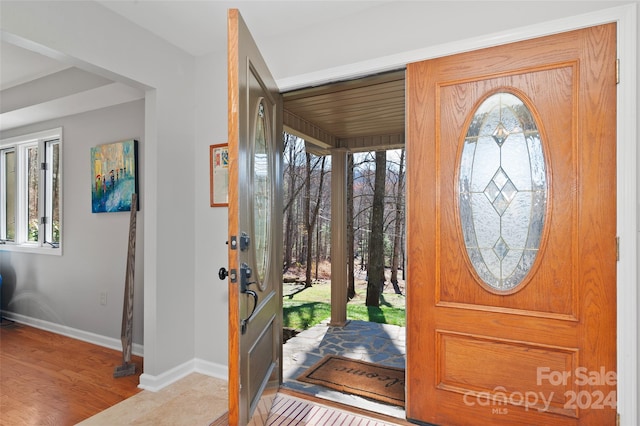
x=191, y=25
x=187, y=24
x=36, y=88
x=18, y=65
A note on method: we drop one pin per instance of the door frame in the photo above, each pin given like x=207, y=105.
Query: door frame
x=627, y=209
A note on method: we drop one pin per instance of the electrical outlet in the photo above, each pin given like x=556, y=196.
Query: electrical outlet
x=103, y=298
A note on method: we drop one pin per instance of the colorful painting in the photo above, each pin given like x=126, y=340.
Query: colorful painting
x=114, y=169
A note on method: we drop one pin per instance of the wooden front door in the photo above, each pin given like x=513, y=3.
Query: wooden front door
x=511, y=308
x=255, y=226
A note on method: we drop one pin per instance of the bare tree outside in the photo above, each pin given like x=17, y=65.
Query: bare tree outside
x=351, y=282
x=376, y=279
x=311, y=209
x=293, y=153
x=398, y=224
x=375, y=221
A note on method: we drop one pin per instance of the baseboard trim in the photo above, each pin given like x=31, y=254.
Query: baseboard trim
x=74, y=333
x=155, y=383
x=213, y=369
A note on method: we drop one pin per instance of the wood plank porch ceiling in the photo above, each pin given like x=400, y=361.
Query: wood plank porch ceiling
x=362, y=114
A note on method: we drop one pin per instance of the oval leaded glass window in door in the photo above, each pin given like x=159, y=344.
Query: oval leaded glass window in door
x=503, y=191
x=261, y=193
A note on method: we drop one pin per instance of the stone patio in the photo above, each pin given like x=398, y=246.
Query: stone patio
x=367, y=341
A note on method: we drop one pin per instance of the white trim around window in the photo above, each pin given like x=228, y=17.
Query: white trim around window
x=17, y=232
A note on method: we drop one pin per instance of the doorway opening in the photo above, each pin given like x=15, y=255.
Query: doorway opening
x=365, y=118
x=374, y=237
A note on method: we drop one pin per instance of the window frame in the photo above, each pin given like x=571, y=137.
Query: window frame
x=44, y=141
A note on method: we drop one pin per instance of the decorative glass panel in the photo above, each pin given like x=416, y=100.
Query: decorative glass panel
x=503, y=191
x=261, y=194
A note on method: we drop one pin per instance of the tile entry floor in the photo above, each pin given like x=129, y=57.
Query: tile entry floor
x=199, y=399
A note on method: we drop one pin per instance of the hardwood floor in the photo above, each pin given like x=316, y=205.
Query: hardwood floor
x=49, y=379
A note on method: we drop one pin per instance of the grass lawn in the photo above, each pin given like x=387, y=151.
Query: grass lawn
x=304, y=308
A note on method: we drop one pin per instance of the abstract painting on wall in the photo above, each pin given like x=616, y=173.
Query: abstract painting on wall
x=114, y=169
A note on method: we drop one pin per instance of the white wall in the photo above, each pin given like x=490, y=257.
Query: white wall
x=324, y=52
x=211, y=325
x=65, y=290
x=89, y=36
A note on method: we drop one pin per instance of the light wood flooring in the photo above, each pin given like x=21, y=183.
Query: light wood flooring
x=50, y=379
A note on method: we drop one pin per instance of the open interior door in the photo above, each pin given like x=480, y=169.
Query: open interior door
x=255, y=226
x=511, y=207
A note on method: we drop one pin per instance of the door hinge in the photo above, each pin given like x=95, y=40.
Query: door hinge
x=43, y=220
x=43, y=166
x=617, y=71
x=617, y=419
x=618, y=249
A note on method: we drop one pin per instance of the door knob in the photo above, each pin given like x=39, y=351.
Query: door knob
x=223, y=273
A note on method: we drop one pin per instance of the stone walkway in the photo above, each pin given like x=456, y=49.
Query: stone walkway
x=379, y=343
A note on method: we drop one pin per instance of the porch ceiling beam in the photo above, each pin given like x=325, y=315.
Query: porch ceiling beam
x=308, y=131
x=373, y=143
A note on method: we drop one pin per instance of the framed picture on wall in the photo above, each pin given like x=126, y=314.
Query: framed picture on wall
x=219, y=175
x=114, y=171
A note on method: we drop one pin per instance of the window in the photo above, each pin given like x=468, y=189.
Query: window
x=30, y=192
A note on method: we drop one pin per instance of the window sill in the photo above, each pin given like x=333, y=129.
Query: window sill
x=17, y=248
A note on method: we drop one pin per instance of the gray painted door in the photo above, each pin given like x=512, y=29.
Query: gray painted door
x=255, y=227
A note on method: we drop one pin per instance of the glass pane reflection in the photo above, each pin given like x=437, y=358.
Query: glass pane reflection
x=503, y=191
x=261, y=194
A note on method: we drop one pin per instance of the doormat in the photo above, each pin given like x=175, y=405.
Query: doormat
x=357, y=377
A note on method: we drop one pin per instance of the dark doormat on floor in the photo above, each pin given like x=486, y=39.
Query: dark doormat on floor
x=378, y=382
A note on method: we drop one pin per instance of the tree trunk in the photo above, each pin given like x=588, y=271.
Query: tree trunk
x=376, y=244
x=288, y=211
x=311, y=216
x=351, y=284
x=397, y=240
x=294, y=182
x=307, y=223
x=317, y=246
